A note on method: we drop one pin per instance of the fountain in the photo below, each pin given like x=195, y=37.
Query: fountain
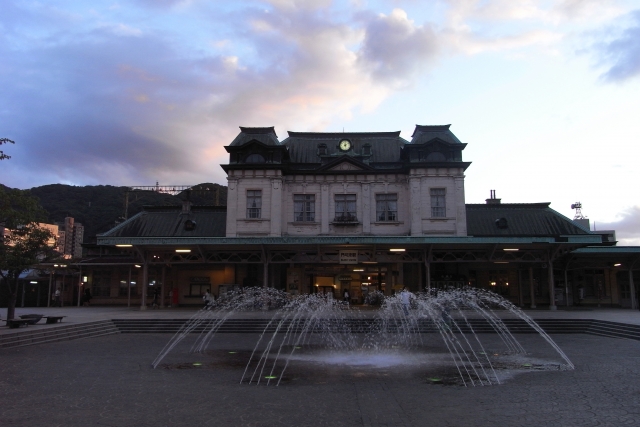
x=471, y=331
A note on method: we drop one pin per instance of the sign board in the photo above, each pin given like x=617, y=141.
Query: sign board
x=348, y=257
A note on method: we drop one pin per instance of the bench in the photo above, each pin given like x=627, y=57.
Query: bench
x=54, y=319
x=32, y=318
x=16, y=323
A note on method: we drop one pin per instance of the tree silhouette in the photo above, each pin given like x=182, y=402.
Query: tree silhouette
x=5, y=141
x=24, y=242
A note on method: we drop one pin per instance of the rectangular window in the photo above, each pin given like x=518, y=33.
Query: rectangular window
x=304, y=207
x=254, y=204
x=198, y=285
x=124, y=291
x=438, y=205
x=101, y=286
x=386, y=207
x=593, y=284
x=345, y=208
x=124, y=278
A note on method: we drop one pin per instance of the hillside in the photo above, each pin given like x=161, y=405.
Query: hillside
x=100, y=207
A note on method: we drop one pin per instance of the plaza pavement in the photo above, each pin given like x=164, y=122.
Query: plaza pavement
x=108, y=381
x=76, y=315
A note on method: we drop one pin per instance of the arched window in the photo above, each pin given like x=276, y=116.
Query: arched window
x=436, y=156
x=255, y=158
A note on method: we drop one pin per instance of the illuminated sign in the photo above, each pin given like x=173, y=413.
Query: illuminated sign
x=348, y=257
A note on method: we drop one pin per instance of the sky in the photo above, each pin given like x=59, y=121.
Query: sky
x=544, y=92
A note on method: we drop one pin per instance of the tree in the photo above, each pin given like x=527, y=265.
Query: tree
x=5, y=141
x=24, y=243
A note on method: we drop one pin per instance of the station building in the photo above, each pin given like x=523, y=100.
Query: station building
x=362, y=211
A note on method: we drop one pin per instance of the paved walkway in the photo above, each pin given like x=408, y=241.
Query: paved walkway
x=75, y=315
x=108, y=381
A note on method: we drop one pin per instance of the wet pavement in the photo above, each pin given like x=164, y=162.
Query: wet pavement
x=108, y=381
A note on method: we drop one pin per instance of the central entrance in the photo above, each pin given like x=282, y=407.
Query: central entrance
x=360, y=280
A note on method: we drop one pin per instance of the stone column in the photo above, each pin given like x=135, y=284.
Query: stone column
x=276, y=208
x=533, y=292
x=324, y=209
x=632, y=289
x=164, y=277
x=80, y=290
x=265, y=274
x=366, y=209
x=461, y=209
x=520, y=295
x=415, y=206
x=566, y=288
x=552, y=292
x=145, y=280
x=232, y=207
x=427, y=267
x=49, y=294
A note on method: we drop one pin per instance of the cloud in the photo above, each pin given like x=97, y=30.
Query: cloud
x=125, y=30
x=463, y=12
x=473, y=44
x=97, y=106
x=621, y=55
x=300, y=4
x=108, y=103
x=478, y=26
x=394, y=48
x=98, y=95
x=627, y=227
x=163, y=4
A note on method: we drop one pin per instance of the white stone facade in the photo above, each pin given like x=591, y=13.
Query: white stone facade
x=414, y=210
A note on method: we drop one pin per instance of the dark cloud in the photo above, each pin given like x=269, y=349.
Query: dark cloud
x=622, y=55
x=103, y=101
x=103, y=105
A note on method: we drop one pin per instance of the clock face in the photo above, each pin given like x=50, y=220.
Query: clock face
x=345, y=144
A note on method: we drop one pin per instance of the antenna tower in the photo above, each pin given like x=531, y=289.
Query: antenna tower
x=578, y=207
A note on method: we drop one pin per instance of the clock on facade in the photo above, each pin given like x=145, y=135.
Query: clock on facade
x=345, y=145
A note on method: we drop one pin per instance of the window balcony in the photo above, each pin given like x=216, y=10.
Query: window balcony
x=346, y=219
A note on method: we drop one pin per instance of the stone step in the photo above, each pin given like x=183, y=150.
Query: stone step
x=54, y=333
x=552, y=326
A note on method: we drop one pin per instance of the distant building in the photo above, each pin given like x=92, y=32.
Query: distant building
x=53, y=229
x=70, y=238
x=54, y=241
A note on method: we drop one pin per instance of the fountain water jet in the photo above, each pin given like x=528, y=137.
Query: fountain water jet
x=457, y=316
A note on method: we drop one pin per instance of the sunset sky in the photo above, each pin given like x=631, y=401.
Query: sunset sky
x=545, y=93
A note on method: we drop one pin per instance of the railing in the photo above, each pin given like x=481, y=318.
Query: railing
x=346, y=218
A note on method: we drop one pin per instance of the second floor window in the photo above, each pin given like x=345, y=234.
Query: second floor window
x=438, y=206
x=304, y=207
x=386, y=207
x=254, y=204
x=345, y=207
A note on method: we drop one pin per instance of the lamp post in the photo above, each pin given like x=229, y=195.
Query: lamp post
x=49, y=294
x=80, y=284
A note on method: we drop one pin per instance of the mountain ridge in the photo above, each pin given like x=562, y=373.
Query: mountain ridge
x=100, y=207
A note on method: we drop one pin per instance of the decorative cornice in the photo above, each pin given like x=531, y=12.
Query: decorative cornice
x=342, y=240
